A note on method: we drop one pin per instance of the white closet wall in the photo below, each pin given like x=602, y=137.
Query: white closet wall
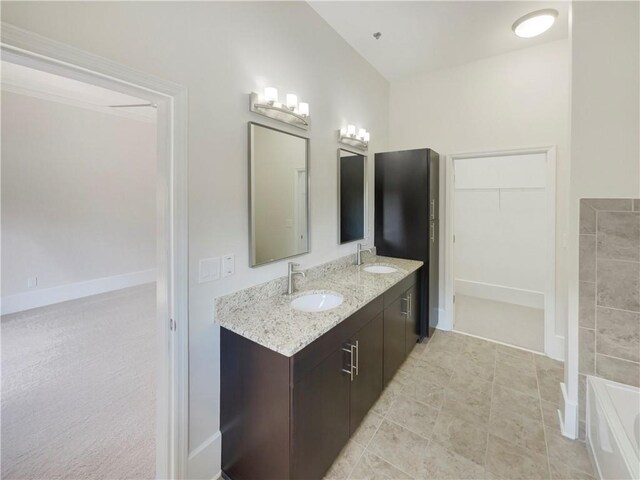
x=500, y=228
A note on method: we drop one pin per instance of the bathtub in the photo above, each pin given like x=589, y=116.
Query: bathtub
x=613, y=428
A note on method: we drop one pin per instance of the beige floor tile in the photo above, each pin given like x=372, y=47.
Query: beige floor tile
x=400, y=447
x=522, y=364
x=372, y=467
x=444, y=358
x=466, y=383
x=483, y=370
x=421, y=370
x=549, y=388
x=413, y=415
x=569, y=474
x=471, y=409
x=389, y=395
x=550, y=415
x=430, y=394
x=367, y=428
x=513, y=378
x=519, y=403
x=460, y=436
x=518, y=430
x=515, y=352
x=544, y=362
x=567, y=455
x=510, y=461
x=442, y=463
x=346, y=462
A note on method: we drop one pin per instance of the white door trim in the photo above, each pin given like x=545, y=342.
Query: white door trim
x=553, y=344
x=32, y=50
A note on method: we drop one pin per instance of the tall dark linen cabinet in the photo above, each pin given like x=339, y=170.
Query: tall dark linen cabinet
x=407, y=221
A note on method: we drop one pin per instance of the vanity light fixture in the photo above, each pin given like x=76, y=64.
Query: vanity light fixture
x=534, y=23
x=348, y=136
x=293, y=113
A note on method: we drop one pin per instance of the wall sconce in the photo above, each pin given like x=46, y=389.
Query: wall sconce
x=292, y=112
x=348, y=136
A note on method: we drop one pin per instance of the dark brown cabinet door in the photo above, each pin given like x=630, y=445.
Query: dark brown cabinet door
x=413, y=317
x=321, y=417
x=367, y=382
x=394, y=337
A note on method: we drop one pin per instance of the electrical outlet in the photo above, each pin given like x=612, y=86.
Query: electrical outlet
x=209, y=270
x=32, y=282
x=228, y=265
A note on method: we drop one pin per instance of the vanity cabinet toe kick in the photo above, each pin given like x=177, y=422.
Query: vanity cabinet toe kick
x=289, y=417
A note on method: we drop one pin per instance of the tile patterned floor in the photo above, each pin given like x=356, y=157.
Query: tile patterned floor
x=465, y=408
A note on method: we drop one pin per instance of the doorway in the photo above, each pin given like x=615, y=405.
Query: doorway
x=501, y=244
x=170, y=321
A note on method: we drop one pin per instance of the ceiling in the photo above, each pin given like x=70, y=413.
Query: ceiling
x=422, y=36
x=36, y=83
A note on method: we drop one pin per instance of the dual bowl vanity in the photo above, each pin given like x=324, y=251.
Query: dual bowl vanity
x=300, y=372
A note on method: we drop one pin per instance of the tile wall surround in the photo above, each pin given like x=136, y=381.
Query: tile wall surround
x=609, y=292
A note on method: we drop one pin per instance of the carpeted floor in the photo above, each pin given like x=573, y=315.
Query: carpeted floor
x=78, y=388
x=502, y=322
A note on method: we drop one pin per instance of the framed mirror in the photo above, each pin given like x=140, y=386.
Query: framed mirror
x=352, y=195
x=279, y=194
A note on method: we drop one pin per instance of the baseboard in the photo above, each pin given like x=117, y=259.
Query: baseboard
x=569, y=423
x=72, y=291
x=204, y=461
x=500, y=293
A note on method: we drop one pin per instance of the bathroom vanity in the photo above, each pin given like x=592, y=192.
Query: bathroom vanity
x=296, y=385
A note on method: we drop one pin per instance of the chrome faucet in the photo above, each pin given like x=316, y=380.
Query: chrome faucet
x=359, y=253
x=290, y=273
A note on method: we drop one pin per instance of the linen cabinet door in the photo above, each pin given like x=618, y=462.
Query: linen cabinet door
x=320, y=426
x=367, y=380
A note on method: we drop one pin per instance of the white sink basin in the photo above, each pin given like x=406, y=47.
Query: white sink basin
x=379, y=269
x=316, y=302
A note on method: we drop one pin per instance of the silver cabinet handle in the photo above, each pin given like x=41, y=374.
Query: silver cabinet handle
x=432, y=228
x=352, y=366
x=410, y=304
x=357, y=348
x=433, y=209
x=406, y=299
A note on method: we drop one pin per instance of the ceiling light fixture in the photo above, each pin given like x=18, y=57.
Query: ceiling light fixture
x=534, y=23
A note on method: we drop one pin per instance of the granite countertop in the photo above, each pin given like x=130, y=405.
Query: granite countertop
x=274, y=324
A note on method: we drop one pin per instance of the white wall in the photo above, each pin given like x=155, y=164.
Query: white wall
x=500, y=227
x=221, y=51
x=78, y=194
x=520, y=99
x=605, y=134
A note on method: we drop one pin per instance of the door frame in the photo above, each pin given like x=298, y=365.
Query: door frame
x=32, y=50
x=553, y=344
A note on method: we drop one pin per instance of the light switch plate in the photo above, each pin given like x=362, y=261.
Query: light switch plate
x=209, y=270
x=228, y=265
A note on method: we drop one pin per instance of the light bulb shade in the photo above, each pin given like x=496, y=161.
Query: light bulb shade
x=366, y=137
x=361, y=133
x=271, y=94
x=292, y=101
x=534, y=23
x=303, y=109
x=351, y=130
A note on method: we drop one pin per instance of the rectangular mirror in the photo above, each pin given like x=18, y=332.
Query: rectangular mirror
x=279, y=199
x=351, y=196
